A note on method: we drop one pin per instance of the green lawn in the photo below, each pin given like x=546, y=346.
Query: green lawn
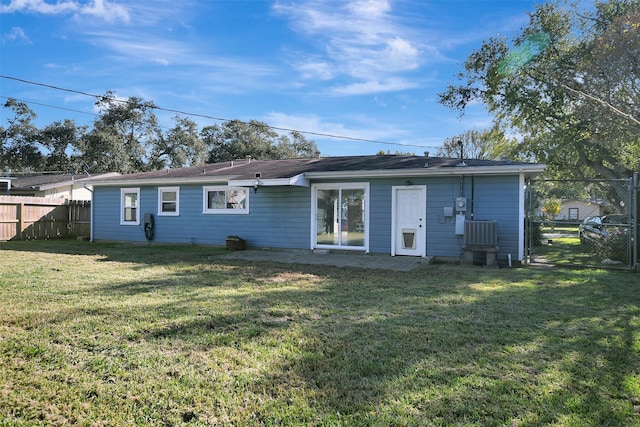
x=561, y=246
x=114, y=334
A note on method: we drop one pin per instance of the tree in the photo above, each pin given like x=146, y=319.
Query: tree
x=19, y=148
x=396, y=153
x=61, y=139
x=488, y=145
x=570, y=87
x=180, y=146
x=295, y=145
x=551, y=208
x=121, y=135
x=236, y=140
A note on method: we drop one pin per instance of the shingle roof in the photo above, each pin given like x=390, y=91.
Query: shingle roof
x=245, y=169
x=41, y=181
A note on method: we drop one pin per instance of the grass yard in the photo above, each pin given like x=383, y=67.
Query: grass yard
x=114, y=334
x=560, y=245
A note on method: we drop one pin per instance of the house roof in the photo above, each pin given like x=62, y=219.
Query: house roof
x=42, y=182
x=300, y=171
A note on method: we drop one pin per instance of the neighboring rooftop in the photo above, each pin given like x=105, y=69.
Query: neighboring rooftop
x=41, y=182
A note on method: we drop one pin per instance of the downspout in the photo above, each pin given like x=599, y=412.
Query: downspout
x=473, y=191
x=90, y=213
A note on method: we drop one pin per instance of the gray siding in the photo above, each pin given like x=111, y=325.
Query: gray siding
x=280, y=217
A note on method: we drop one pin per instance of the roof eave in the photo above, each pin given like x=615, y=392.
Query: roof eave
x=162, y=181
x=295, y=181
x=303, y=179
x=528, y=169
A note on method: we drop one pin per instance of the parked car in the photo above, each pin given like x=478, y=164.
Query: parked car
x=595, y=228
x=591, y=229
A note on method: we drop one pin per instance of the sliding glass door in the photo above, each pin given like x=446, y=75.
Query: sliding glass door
x=340, y=215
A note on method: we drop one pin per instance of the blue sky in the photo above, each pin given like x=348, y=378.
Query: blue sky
x=368, y=69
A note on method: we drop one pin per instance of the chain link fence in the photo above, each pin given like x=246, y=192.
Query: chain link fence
x=590, y=223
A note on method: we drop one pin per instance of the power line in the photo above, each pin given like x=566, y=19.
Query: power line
x=220, y=119
x=48, y=105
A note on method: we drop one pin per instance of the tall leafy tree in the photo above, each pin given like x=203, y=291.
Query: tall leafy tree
x=179, y=146
x=570, y=86
x=61, y=139
x=121, y=135
x=295, y=145
x=236, y=140
x=19, y=149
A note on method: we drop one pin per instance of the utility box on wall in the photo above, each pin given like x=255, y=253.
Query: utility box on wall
x=448, y=211
x=460, y=219
x=461, y=204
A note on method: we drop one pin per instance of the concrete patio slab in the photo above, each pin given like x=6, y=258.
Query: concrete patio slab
x=360, y=260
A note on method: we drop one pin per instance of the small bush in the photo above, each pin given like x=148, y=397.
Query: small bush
x=613, y=247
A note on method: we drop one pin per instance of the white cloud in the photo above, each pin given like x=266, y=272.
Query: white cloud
x=109, y=11
x=359, y=126
x=360, y=40
x=104, y=9
x=372, y=8
x=402, y=51
x=39, y=6
x=375, y=86
x=314, y=69
x=16, y=33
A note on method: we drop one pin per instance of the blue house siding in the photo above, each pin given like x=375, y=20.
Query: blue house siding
x=441, y=238
x=280, y=217
x=496, y=198
x=489, y=198
x=380, y=216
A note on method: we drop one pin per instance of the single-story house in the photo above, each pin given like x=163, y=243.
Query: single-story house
x=578, y=210
x=53, y=185
x=398, y=205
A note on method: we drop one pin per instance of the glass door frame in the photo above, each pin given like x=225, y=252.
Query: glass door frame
x=339, y=187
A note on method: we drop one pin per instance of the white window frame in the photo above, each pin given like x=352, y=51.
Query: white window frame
x=161, y=191
x=225, y=211
x=123, y=207
x=576, y=212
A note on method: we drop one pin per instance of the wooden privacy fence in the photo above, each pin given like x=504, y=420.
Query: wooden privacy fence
x=26, y=218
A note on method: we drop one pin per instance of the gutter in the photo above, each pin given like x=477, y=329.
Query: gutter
x=297, y=180
x=163, y=181
x=90, y=213
x=427, y=172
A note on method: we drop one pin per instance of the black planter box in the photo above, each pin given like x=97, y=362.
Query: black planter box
x=235, y=243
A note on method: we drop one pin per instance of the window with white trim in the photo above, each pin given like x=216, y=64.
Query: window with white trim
x=225, y=200
x=169, y=201
x=573, y=214
x=129, y=206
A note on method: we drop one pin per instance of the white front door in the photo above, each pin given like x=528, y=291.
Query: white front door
x=408, y=220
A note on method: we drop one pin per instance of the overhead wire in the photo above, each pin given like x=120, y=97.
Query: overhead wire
x=220, y=119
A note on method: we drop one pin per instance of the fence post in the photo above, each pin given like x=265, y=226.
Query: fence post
x=20, y=225
x=635, y=214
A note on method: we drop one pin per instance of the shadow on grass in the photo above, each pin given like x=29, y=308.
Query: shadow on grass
x=142, y=253
x=439, y=345
x=443, y=345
